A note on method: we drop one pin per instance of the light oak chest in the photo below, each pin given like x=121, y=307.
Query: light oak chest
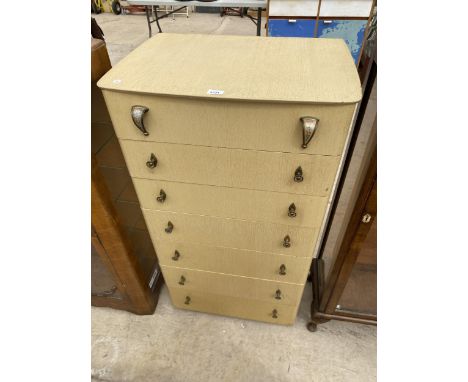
x=233, y=144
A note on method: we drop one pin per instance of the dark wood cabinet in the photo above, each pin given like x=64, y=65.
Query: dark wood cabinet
x=118, y=280
x=124, y=270
x=350, y=291
x=357, y=290
x=344, y=274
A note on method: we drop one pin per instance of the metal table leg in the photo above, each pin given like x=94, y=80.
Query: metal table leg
x=152, y=9
x=147, y=10
x=157, y=18
x=259, y=21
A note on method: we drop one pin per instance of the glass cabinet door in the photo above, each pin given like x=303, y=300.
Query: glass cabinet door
x=360, y=293
x=102, y=281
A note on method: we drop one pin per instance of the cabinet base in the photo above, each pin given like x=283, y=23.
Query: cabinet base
x=236, y=307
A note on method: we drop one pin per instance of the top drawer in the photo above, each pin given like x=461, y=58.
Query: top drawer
x=231, y=124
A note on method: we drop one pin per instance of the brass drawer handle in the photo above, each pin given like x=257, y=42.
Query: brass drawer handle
x=298, y=177
x=282, y=270
x=286, y=241
x=187, y=300
x=182, y=280
x=309, y=126
x=278, y=294
x=292, y=211
x=176, y=255
x=169, y=227
x=162, y=196
x=137, y=113
x=153, y=161
x=274, y=314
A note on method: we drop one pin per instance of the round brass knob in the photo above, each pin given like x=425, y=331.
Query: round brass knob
x=298, y=177
x=153, y=161
x=169, y=227
x=162, y=196
x=176, y=255
x=292, y=211
x=286, y=241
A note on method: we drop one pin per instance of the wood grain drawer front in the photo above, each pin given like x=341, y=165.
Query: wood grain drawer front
x=231, y=233
x=257, y=170
x=217, y=123
x=267, y=266
x=277, y=207
x=236, y=286
x=233, y=306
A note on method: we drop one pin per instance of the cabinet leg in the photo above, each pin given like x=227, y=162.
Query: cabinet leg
x=315, y=318
x=312, y=326
x=317, y=285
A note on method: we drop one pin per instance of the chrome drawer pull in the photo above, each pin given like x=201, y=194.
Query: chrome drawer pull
x=282, y=270
x=153, y=161
x=292, y=211
x=309, y=125
x=162, y=196
x=298, y=175
x=274, y=314
x=169, y=227
x=176, y=255
x=182, y=280
x=286, y=241
x=137, y=117
x=278, y=294
x=187, y=300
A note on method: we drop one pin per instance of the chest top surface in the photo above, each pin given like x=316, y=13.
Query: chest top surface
x=239, y=68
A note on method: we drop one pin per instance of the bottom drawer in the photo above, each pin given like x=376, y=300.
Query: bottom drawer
x=233, y=306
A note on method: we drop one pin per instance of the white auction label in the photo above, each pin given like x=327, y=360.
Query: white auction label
x=215, y=92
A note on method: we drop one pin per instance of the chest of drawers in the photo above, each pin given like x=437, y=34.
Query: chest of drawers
x=233, y=144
